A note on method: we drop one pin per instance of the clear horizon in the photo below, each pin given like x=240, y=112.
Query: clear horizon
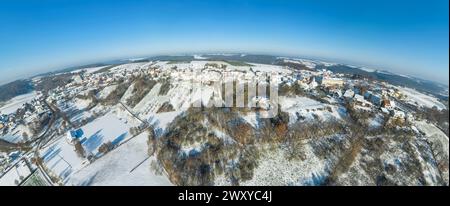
x=405, y=37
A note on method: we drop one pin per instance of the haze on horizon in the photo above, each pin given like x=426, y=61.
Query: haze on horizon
x=405, y=37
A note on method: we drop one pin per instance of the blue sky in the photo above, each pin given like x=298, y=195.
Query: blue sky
x=408, y=37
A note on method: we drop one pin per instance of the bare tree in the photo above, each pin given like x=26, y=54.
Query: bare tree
x=79, y=149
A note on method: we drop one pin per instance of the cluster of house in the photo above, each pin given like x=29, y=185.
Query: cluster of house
x=216, y=73
x=383, y=100
x=16, y=124
x=6, y=159
x=60, y=94
x=31, y=111
x=309, y=80
x=378, y=96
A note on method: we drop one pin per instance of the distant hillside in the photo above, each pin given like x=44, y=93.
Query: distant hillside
x=69, y=69
x=15, y=88
x=50, y=82
x=230, y=58
x=250, y=58
x=171, y=58
x=418, y=84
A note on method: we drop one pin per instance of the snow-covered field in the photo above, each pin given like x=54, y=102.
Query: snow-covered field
x=433, y=133
x=75, y=109
x=199, y=57
x=15, y=175
x=178, y=96
x=60, y=157
x=307, y=63
x=308, y=108
x=106, y=91
x=420, y=99
x=129, y=67
x=162, y=120
x=17, y=102
x=367, y=69
x=126, y=165
x=127, y=93
x=269, y=68
x=299, y=102
x=103, y=129
x=89, y=70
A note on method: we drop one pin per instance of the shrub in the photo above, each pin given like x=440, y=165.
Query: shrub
x=166, y=107
x=156, y=167
x=165, y=87
x=106, y=147
x=114, y=97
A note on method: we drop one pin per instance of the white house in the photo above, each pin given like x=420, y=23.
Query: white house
x=349, y=94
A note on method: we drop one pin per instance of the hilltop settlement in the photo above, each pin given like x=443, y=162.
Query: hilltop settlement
x=134, y=123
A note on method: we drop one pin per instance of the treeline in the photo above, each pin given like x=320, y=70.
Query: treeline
x=115, y=96
x=438, y=117
x=15, y=88
x=295, y=66
x=142, y=85
x=48, y=83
